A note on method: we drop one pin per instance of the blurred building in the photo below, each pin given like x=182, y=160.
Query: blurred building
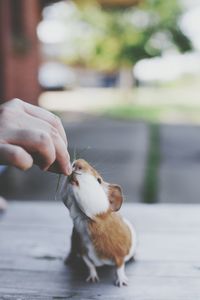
x=19, y=58
x=18, y=51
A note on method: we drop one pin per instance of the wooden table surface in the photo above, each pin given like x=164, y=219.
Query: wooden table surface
x=35, y=238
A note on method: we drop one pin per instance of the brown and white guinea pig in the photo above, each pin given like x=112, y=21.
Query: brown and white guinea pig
x=100, y=235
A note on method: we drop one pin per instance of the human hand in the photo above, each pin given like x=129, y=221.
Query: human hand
x=31, y=135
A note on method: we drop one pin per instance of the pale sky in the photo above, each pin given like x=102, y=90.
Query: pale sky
x=190, y=22
x=172, y=66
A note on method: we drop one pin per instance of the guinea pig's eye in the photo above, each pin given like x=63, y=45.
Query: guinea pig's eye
x=79, y=168
x=99, y=180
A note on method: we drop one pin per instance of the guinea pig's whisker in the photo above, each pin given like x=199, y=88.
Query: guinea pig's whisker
x=74, y=154
x=58, y=186
x=80, y=152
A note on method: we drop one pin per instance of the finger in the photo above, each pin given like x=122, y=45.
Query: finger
x=15, y=156
x=61, y=154
x=46, y=116
x=62, y=162
x=38, y=144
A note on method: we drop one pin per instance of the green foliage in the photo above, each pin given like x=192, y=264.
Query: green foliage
x=111, y=39
x=152, y=113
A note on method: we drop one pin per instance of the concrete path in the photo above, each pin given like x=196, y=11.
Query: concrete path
x=118, y=149
x=180, y=165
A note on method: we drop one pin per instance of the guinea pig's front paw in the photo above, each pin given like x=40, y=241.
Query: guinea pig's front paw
x=93, y=277
x=122, y=280
x=121, y=276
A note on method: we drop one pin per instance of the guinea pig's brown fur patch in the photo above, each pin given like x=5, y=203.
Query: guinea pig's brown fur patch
x=111, y=237
x=81, y=164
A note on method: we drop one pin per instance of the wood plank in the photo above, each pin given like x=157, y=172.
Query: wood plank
x=35, y=237
x=59, y=285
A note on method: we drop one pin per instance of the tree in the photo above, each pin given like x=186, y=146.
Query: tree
x=110, y=39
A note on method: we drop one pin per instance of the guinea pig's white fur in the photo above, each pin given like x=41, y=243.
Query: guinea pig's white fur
x=90, y=195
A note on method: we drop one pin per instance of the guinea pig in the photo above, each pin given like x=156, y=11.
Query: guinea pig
x=100, y=235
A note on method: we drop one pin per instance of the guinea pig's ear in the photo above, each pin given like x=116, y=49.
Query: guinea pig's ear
x=115, y=196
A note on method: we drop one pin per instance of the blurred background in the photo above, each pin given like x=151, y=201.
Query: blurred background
x=124, y=76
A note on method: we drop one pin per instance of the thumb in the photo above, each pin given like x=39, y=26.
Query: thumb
x=15, y=156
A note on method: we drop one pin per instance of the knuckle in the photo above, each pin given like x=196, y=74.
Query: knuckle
x=56, y=121
x=44, y=139
x=8, y=109
x=16, y=155
x=16, y=101
x=10, y=106
x=46, y=149
x=5, y=113
x=51, y=159
x=54, y=133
